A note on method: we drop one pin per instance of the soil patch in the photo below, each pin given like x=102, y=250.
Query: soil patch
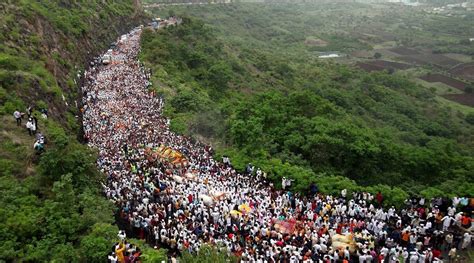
x=368, y=67
x=315, y=42
x=465, y=99
x=465, y=71
x=446, y=80
x=433, y=59
x=404, y=51
x=379, y=65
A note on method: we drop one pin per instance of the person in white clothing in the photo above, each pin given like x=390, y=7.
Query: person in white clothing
x=113, y=258
x=31, y=127
x=466, y=240
x=17, y=114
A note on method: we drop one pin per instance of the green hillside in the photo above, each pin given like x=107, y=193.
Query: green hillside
x=51, y=206
x=238, y=76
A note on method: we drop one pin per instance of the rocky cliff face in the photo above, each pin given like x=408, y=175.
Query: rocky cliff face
x=45, y=44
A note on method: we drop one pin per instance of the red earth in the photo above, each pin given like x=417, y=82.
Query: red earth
x=446, y=80
x=434, y=59
x=465, y=71
x=379, y=65
x=465, y=99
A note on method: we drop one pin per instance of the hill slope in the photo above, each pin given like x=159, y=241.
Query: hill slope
x=276, y=106
x=51, y=206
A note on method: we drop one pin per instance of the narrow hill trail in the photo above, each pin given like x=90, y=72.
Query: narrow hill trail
x=173, y=193
x=158, y=5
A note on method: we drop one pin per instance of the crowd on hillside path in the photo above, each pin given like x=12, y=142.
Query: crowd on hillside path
x=32, y=125
x=205, y=201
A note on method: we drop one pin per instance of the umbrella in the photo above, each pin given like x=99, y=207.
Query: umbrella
x=245, y=208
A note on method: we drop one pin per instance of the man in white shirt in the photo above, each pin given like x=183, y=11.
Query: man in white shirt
x=113, y=258
x=31, y=127
x=347, y=254
x=446, y=222
x=405, y=254
x=413, y=257
x=451, y=211
x=344, y=193
x=17, y=115
x=466, y=240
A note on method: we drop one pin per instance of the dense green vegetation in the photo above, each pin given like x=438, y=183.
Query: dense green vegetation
x=208, y=254
x=345, y=28
x=39, y=54
x=263, y=99
x=52, y=208
x=249, y=84
x=358, y=32
x=52, y=215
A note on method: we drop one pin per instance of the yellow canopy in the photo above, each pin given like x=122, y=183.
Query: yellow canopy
x=245, y=208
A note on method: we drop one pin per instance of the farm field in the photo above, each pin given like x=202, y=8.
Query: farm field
x=465, y=99
x=374, y=37
x=256, y=79
x=446, y=80
x=431, y=59
x=379, y=65
x=465, y=71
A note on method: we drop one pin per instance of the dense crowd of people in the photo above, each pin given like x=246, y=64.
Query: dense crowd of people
x=205, y=201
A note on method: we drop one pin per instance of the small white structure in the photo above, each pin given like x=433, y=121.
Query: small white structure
x=333, y=55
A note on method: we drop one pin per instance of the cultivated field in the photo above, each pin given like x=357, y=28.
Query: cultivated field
x=465, y=71
x=465, y=99
x=375, y=37
x=378, y=65
x=446, y=80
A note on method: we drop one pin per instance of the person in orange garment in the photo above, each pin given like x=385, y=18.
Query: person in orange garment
x=119, y=249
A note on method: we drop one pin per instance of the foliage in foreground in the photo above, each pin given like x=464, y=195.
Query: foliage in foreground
x=208, y=254
x=52, y=215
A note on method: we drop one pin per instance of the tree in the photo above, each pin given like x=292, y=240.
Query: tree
x=68, y=157
x=377, y=55
x=219, y=75
x=469, y=88
x=470, y=118
x=96, y=245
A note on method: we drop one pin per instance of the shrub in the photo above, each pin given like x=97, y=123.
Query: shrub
x=208, y=254
x=149, y=254
x=96, y=245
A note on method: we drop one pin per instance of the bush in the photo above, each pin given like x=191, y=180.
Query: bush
x=208, y=254
x=432, y=192
x=333, y=185
x=149, y=254
x=394, y=196
x=96, y=245
x=11, y=105
x=470, y=118
x=469, y=89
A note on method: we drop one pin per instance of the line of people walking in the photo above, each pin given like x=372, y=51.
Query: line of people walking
x=32, y=125
x=209, y=202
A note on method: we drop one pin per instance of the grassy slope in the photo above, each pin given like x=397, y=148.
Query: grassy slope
x=51, y=207
x=270, y=80
x=44, y=44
